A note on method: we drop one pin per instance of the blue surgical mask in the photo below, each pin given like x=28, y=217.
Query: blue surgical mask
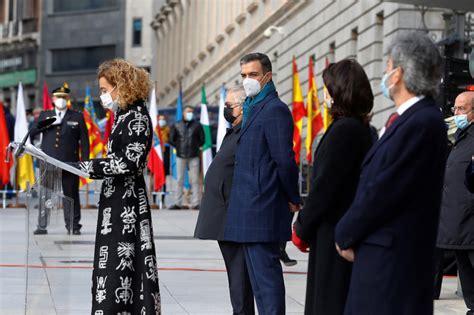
x=383, y=86
x=188, y=116
x=461, y=121
x=162, y=123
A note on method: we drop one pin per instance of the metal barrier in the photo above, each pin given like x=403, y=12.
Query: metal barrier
x=4, y=195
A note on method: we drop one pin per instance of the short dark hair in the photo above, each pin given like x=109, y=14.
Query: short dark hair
x=262, y=58
x=188, y=106
x=349, y=87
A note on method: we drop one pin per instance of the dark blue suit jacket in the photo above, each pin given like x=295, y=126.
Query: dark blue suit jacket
x=265, y=176
x=393, y=220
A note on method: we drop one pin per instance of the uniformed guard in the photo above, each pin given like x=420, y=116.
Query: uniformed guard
x=63, y=140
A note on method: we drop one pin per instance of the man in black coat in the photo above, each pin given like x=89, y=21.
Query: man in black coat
x=187, y=136
x=64, y=140
x=213, y=211
x=389, y=231
x=456, y=225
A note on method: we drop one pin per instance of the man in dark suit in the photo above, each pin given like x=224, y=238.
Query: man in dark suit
x=390, y=229
x=64, y=140
x=265, y=184
x=213, y=210
x=456, y=224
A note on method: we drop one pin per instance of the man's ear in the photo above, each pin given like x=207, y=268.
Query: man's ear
x=397, y=76
x=270, y=76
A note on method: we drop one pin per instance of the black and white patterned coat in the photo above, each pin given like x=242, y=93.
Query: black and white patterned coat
x=125, y=276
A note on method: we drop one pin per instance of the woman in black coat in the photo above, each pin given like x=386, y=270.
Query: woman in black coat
x=336, y=172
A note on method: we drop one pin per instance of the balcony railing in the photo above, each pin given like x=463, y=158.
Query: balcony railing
x=14, y=29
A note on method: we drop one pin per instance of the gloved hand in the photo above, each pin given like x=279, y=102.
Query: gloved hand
x=298, y=242
x=57, y=121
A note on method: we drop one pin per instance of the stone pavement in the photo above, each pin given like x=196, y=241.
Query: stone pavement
x=192, y=277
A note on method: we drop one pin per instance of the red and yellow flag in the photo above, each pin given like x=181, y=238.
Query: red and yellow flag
x=327, y=118
x=95, y=141
x=298, y=112
x=69, y=104
x=4, y=141
x=109, y=122
x=315, y=120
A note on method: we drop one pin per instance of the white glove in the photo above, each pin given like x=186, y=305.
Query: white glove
x=58, y=121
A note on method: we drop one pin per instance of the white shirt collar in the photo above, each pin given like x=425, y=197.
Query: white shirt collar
x=63, y=112
x=409, y=103
x=403, y=108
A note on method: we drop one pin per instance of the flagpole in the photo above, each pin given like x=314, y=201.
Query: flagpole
x=152, y=190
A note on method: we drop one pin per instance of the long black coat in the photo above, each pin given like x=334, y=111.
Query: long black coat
x=66, y=140
x=336, y=171
x=456, y=223
x=217, y=186
x=125, y=275
x=393, y=220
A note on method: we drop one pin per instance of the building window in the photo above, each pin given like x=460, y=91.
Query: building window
x=137, y=32
x=80, y=59
x=2, y=11
x=81, y=5
x=10, y=10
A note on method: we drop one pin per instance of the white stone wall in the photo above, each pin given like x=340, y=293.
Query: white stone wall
x=196, y=45
x=141, y=55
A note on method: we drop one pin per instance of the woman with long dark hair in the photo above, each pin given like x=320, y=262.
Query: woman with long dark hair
x=336, y=171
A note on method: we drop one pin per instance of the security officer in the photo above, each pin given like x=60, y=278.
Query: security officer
x=63, y=140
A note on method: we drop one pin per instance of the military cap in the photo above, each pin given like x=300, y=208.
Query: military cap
x=61, y=91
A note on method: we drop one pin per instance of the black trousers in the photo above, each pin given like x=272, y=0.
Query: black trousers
x=465, y=262
x=240, y=287
x=72, y=211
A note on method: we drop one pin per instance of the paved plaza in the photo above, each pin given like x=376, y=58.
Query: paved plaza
x=192, y=277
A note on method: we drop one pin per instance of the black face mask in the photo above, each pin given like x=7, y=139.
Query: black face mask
x=228, y=115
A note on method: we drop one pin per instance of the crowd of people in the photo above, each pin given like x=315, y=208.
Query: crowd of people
x=380, y=211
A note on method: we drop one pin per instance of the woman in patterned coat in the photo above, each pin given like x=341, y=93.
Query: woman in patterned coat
x=125, y=276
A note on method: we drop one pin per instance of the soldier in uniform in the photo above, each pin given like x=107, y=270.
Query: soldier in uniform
x=63, y=140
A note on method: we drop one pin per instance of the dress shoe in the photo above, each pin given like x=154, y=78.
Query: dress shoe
x=76, y=232
x=175, y=207
x=40, y=232
x=287, y=261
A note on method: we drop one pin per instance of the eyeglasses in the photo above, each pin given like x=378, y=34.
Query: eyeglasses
x=231, y=105
x=461, y=109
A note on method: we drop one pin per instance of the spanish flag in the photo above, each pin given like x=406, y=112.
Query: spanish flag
x=95, y=141
x=313, y=108
x=298, y=112
x=327, y=118
x=24, y=164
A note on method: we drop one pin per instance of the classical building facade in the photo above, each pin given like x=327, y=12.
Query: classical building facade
x=19, y=49
x=202, y=41
x=76, y=37
x=138, y=33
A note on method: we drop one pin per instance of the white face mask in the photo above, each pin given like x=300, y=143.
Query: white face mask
x=108, y=102
x=251, y=87
x=188, y=116
x=60, y=103
x=328, y=100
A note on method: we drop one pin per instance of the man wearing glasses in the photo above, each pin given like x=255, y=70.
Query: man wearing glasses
x=213, y=211
x=456, y=224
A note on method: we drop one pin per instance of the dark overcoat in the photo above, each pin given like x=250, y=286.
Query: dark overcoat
x=336, y=172
x=217, y=185
x=265, y=176
x=392, y=223
x=456, y=222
